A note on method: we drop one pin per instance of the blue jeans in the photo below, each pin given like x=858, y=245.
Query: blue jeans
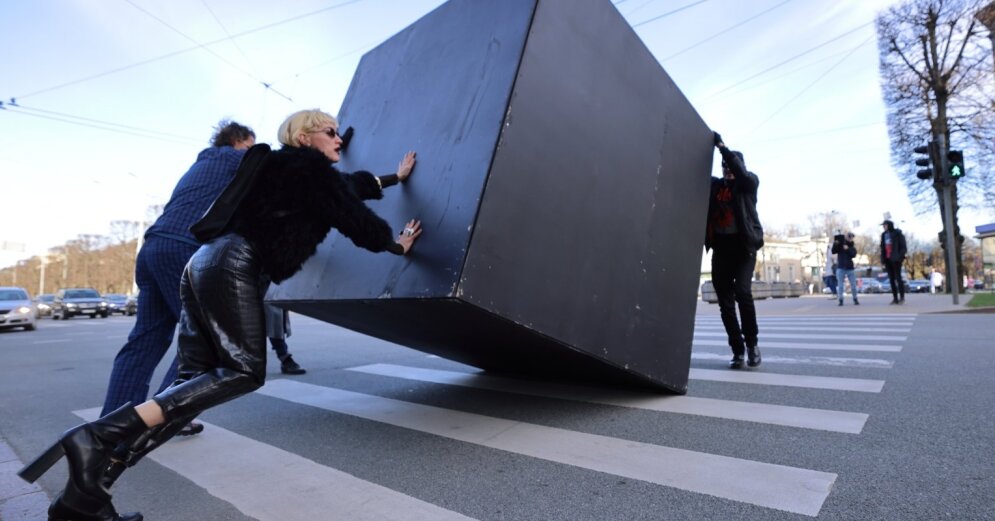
x=850, y=274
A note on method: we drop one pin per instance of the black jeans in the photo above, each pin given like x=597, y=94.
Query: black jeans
x=732, y=274
x=894, y=270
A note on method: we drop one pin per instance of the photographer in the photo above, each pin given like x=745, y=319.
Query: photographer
x=845, y=252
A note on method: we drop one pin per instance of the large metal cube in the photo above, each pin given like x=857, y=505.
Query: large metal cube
x=562, y=182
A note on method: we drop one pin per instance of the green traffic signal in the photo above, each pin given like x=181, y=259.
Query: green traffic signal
x=955, y=160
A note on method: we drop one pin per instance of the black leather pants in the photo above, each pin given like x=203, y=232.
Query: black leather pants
x=222, y=336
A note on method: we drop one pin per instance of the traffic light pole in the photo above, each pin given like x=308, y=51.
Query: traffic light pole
x=943, y=173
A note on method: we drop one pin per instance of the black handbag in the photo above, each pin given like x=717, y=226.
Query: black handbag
x=218, y=217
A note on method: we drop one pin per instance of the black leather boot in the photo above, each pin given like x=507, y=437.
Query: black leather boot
x=89, y=449
x=73, y=505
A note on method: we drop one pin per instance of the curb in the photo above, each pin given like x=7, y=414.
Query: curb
x=19, y=500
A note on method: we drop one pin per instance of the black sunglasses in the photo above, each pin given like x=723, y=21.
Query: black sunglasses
x=332, y=133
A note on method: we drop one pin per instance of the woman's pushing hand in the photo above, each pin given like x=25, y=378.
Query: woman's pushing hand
x=411, y=232
x=406, y=165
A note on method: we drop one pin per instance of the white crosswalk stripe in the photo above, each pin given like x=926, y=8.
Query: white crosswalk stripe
x=837, y=421
x=251, y=484
x=842, y=336
x=808, y=345
x=259, y=485
x=779, y=487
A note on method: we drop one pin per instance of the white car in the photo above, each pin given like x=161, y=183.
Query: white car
x=16, y=309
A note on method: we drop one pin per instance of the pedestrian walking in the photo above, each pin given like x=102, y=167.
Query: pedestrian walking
x=845, y=251
x=893, y=251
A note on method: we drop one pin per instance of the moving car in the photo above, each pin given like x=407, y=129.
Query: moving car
x=71, y=302
x=16, y=309
x=918, y=286
x=118, y=303
x=43, y=305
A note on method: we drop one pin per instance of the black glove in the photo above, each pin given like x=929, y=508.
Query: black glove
x=717, y=138
x=346, y=138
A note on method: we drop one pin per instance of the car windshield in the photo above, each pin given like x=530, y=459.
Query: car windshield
x=115, y=297
x=82, y=293
x=13, y=294
x=46, y=298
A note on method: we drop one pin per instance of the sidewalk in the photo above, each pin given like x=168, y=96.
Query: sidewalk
x=19, y=500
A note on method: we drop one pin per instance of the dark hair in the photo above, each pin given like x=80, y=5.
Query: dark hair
x=738, y=154
x=228, y=132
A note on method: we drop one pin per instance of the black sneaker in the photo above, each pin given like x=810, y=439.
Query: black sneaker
x=855, y=302
x=736, y=362
x=289, y=366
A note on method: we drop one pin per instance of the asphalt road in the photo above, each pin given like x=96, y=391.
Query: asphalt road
x=863, y=413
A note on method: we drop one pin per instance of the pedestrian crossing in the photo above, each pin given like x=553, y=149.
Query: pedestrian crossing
x=801, y=488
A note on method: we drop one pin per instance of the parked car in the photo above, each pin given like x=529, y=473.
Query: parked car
x=918, y=286
x=118, y=303
x=43, y=305
x=16, y=309
x=71, y=302
x=868, y=285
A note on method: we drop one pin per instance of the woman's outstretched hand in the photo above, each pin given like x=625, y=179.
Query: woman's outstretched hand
x=411, y=232
x=406, y=165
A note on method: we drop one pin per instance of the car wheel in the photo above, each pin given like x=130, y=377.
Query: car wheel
x=29, y=327
x=104, y=314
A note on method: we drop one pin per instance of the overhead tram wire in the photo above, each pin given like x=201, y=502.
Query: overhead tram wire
x=723, y=31
x=679, y=9
x=789, y=60
x=778, y=77
x=213, y=53
x=101, y=125
x=810, y=85
x=188, y=49
x=228, y=34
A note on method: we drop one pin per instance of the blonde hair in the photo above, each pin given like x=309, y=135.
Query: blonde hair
x=302, y=122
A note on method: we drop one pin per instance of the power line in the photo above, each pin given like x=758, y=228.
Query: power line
x=204, y=47
x=228, y=34
x=723, y=31
x=793, y=58
x=188, y=49
x=817, y=80
x=101, y=125
x=775, y=78
x=679, y=9
x=818, y=132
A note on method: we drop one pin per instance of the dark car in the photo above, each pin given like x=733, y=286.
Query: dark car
x=918, y=286
x=118, y=303
x=71, y=302
x=43, y=304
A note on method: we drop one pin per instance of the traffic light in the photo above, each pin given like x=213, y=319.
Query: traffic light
x=955, y=163
x=928, y=161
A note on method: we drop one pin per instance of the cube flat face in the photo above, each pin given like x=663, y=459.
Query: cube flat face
x=562, y=182
x=440, y=87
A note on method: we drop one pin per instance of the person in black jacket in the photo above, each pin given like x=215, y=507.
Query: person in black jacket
x=294, y=199
x=893, y=252
x=845, y=251
x=734, y=233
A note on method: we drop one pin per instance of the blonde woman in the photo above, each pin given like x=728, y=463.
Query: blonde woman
x=296, y=197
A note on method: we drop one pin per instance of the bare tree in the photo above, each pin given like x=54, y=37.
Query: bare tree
x=936, y=81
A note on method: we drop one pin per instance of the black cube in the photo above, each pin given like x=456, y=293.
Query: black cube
x=562, y=183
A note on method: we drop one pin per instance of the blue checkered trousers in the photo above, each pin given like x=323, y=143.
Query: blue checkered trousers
x=167, y=248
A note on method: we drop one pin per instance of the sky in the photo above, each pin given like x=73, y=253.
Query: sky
x=114, y=98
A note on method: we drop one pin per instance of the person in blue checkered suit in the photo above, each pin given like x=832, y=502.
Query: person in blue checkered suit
x=168, y=245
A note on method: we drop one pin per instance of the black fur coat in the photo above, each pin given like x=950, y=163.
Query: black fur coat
x=296, y=199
